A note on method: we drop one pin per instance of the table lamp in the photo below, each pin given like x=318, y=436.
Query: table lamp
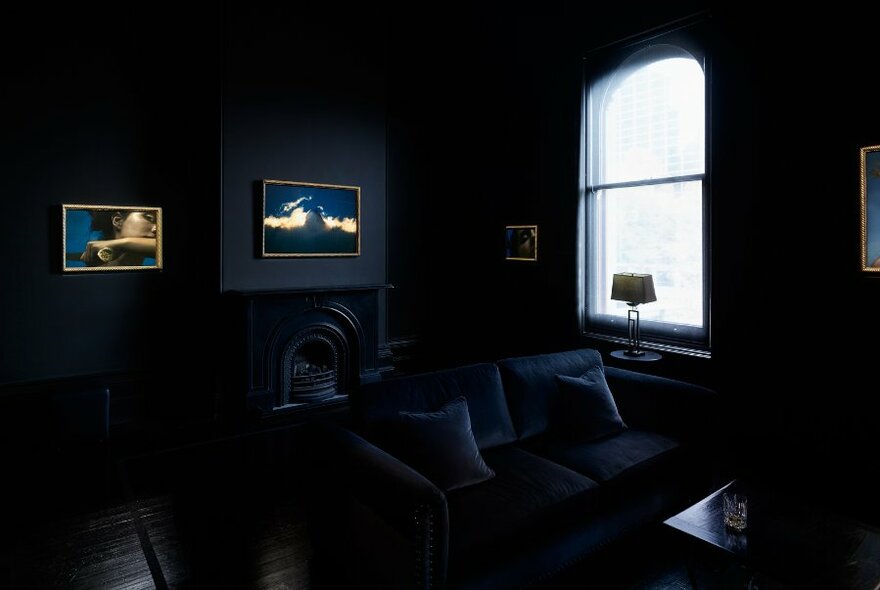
x=634, y=289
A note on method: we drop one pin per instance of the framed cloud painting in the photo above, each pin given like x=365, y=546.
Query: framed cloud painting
x=306, y=219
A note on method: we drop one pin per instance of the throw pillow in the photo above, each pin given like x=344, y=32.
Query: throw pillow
x=440, y=445
x=586, y=407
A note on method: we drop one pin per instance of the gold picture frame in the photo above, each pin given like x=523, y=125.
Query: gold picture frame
x=869, y=209
x=307, y=219
x=521, y=243
x=97, y=238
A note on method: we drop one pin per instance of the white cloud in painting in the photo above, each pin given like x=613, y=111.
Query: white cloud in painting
x=293, y=215
x=346, y=224
x=293, y=219
x=289, y=206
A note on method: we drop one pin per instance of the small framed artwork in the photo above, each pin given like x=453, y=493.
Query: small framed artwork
x=306, y=219
x=870, y=209
x=522, y=242
x=111, y=237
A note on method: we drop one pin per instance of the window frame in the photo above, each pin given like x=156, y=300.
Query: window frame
x=691, y=36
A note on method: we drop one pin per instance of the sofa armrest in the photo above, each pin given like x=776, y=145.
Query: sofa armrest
x=687, y=412
x=374, y=519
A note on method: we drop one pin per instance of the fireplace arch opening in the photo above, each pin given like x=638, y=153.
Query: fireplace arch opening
x=314, y=366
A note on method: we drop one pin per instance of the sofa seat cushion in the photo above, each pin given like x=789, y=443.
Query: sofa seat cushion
x=623, y=457
x=527, y=494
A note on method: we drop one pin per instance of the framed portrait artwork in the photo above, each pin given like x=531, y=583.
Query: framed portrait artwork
x=870, y=209
x=521, y=242
x=306, y=219
x=111, y=237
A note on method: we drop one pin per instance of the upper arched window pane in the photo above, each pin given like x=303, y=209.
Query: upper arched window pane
x=653, y=118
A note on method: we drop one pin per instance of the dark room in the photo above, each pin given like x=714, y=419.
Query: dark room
x=466, y=296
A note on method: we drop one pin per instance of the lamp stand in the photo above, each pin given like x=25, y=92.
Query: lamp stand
x=634, y=288
x=635, y=347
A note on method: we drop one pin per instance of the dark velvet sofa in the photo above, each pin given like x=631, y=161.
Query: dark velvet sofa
x=376, y=522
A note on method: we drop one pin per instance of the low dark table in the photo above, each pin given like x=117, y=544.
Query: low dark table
x=789, y=539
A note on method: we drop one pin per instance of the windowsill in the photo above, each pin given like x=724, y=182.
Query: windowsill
x=657, y=346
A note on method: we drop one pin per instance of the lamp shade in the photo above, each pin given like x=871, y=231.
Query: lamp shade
x=633, y=288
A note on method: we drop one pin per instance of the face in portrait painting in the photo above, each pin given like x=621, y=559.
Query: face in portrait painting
x=104, y=238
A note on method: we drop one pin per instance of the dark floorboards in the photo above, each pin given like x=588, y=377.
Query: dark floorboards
x=138, y=545
x=220, y=514
x=231, y=513
x=95, y=550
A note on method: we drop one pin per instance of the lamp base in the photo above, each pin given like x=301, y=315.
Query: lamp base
x=645, y=355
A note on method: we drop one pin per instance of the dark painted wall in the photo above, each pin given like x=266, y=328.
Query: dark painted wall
x=804, y=235
x=463, y=152
x=484, y=133
x=186, y=113
x=304, y=100
x=109, y=106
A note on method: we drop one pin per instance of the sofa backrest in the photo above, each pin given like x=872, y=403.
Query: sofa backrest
x=374, y=403
x=531, y=389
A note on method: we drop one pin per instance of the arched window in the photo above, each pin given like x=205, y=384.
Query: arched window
x=646, y=193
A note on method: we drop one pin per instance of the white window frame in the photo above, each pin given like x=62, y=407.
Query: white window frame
x=661, y=336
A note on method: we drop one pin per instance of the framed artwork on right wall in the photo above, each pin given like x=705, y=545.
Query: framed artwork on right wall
x=521, y=243
x=870, y=209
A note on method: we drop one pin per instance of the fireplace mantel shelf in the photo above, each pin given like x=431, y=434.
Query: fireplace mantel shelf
x=333, y=289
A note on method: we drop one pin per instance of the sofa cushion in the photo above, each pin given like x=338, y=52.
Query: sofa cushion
x=374, y=404
x=527, y=494
x=586, y=407
x=623, y=457
x=440, y=445
x=530, y=385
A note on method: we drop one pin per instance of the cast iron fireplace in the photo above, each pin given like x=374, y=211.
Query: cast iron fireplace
x=305, y=349
x=313, y=366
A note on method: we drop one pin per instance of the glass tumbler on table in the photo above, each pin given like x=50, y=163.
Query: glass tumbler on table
x=736, y=511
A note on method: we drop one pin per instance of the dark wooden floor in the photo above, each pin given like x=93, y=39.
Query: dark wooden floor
x=224, y=514
x=95, y=550
x=229, y=513
x=137, y=545
x=144, y=543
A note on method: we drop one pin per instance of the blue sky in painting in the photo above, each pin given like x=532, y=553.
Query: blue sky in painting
x=338, y=203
